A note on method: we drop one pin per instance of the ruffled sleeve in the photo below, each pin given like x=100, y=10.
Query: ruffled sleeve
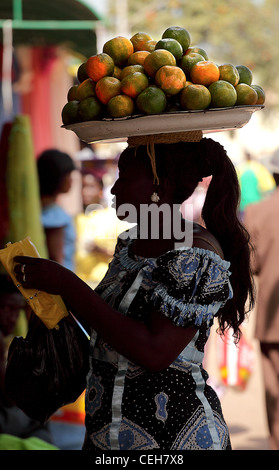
x=191, y=285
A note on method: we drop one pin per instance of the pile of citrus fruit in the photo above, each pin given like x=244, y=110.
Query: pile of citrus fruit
x=142, y=76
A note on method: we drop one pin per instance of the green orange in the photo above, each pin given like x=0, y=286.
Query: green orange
x=81, y=73
x=246, y=95
x=229, y=73
x=223, y=94
x=72, y=93
x=189, y=60
x=69, y=112
x=131, y=69
x=120, y=106
x=260, y=92
x=171, y=45
x=171, y=79
x=99, y=66
x=197, y=50
x=119, y=48
x=195, y=97
x=134, y=83
x=245, y=74
x=180, y=34
x=204, y=73
x=116, y=72
x=85, y=89
x=137, y=57
x=139, y=39
x=157, y=59
x=106, y=88
x=152, y=100
x=89, y=108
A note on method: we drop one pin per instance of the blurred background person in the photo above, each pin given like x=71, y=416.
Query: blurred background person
x=262, y=222
x=256, y=182
x=55, y=177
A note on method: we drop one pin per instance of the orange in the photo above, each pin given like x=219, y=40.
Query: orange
x=180, y=34
x=170, y=79
x=72, y=93
x=139, y=39
x=150, y=45
x=245, y=74
x=99, y=66
x=195, y=97
x=229, y=73
x=119, y=48
x=204, y=73
x=85, y=89
x=69, y=113
x=120, y=106
x=223, y=94
x=171, y=45
x=116, y=72
x=134, y=83
x=137, y=58
x=260, y=92
x=152, y=100
x=106, y=88
x=189, y=60
x=131, y=69
x=197, y=50
x=81, y=73
x=246, y=95
x=157, y=59
x=89, y=108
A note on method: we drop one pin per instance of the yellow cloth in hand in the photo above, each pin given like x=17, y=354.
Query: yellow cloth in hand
x=49, y=308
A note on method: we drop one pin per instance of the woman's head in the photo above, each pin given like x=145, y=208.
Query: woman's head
x=54, y=170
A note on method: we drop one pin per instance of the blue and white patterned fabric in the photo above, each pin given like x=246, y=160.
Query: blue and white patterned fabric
x=130, y=408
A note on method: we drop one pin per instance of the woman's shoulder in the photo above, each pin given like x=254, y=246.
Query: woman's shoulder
x=203, y=238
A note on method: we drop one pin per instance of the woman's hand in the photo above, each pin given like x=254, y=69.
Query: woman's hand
x=41, y=274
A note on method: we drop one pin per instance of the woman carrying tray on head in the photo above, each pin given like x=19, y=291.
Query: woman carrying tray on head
x=151, y=314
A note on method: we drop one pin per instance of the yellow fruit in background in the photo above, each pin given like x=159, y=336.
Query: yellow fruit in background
x=180, y=34
x=120, y=106
x=119, y=48
x=170, y=79
x=246, y=95
x=260, y=92
x=229, y=73
x=171, y=45
x=223, y=94
x=106, y=88
x=99, y=66
x=245, y=74
x=195, y=97
x=85, y=89
x=152, y=100
x=157, y=59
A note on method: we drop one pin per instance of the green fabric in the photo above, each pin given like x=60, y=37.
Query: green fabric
x=23, y=187
x=9, y=442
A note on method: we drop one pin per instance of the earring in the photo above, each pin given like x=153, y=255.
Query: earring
x=154, y=197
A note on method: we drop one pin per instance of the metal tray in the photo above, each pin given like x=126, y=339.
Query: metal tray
x=209, y=120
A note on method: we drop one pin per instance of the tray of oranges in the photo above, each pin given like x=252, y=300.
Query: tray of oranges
x=138, y=85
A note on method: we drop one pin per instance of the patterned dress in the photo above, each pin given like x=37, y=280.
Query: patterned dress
x=130, y=408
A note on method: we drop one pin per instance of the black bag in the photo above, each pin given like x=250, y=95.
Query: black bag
x=47, y=369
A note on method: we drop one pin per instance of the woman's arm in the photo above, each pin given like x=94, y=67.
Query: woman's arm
x=154, y=346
